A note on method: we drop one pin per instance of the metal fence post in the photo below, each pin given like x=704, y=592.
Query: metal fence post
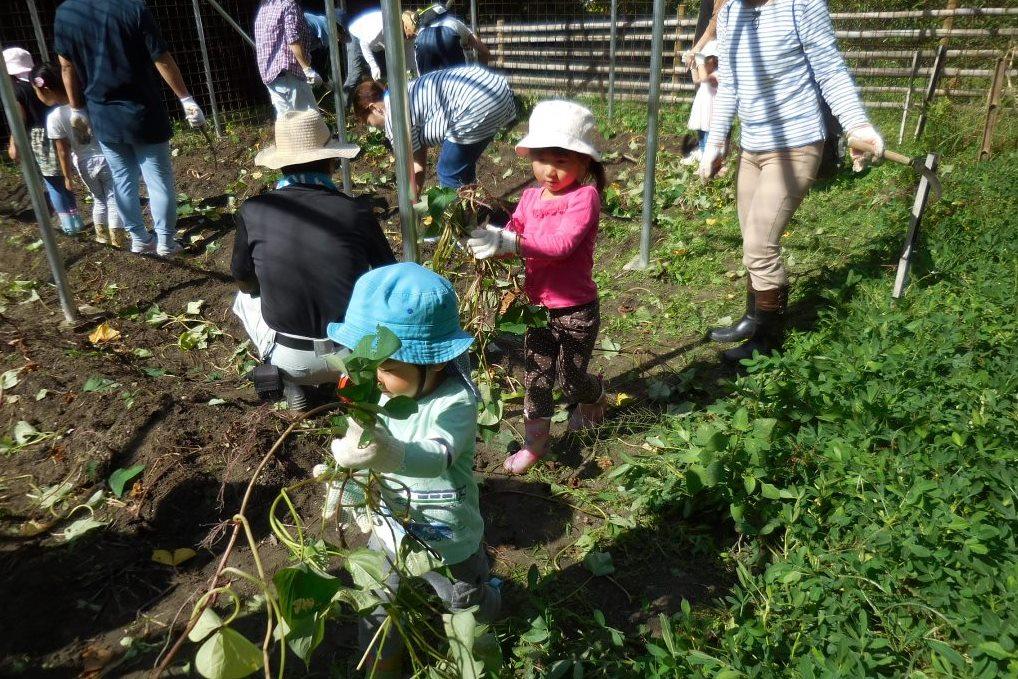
x=399, y=113
x=33, y=180
x=473, y=15
x=653, y=103
x=40, y=37
x=208, y=68
x=233, y=24
x=611, y=59
x=337, y=87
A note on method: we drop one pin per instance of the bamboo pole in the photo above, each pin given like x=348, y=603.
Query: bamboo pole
x=908, y=97
x=931, y=90
x=207, y=67
x=860, y=56
x=992, y=108
x=499, y=45
x=518, y=37
x=612, y=54
x=233, y=24
x=40, y=37
x=337, y=89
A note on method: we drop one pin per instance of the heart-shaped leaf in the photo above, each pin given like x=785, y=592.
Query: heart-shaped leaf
x=227, y=654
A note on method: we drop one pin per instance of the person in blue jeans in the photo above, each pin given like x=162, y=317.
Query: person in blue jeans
x=110, y=53
x=19, y=65
x=457, y=109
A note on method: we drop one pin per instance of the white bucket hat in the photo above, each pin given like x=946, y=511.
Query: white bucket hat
x=561, y=124
x=710, y=49
x=19, y=62
x=303, y=137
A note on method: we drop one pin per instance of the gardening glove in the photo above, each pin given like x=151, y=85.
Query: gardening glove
x=383, y=454
x=192, y=112
x=710, y=162
x=865, y=133
x=312, y=76
x=346, y=501
x=81, y=126
x=492, y=241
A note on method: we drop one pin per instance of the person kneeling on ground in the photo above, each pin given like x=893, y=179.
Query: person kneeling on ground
x=298, y=252
x=459, y=109
x=431, y=452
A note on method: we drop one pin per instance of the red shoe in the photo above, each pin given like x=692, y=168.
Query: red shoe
x=535, y=436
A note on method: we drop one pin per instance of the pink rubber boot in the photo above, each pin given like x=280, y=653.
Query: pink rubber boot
x=586, y=415
x=535, y=438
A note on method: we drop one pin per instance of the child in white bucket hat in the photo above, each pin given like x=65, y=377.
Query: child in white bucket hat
x=554, y=230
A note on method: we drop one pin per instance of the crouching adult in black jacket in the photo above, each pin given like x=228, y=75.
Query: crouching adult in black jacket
x=298, y=251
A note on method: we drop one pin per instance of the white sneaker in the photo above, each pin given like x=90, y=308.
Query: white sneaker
x=140, y=247
x=171, y=250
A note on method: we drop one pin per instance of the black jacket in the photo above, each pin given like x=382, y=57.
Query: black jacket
x=302, y=248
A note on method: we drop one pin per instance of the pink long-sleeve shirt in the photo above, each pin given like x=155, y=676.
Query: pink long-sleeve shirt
x=557, y=245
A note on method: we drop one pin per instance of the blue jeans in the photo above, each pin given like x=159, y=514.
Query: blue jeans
x=152, y=162
x=289, y=92
x=62, y=199
x=701, y=139
x=457, y=163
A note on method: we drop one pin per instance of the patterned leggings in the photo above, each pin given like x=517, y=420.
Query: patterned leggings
x=562, y=349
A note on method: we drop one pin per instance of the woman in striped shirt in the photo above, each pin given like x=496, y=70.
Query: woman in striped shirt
x=777, y=59
x=459, y=109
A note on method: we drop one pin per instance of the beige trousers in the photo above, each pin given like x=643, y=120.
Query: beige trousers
x=770, y=186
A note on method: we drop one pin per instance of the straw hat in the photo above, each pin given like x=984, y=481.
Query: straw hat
x=18, y=62
x=561, y=124
x=303, y=137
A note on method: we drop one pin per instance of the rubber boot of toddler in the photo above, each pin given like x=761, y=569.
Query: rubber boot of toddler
x=296, y=396
x=770, y=331
x=535, y=438
x=119, y=239
x=745, y=327
x=100, y=233
x=587, y=415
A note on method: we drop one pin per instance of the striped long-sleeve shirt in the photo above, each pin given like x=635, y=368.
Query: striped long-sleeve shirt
x=776, y=61
x=466, y=104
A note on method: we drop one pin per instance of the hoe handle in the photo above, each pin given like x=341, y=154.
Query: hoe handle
x=866, y=147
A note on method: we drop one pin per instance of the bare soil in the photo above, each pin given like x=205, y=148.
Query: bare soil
x=199, y=431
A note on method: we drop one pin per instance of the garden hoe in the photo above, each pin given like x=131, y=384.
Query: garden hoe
x=928, y=186
x=918, y=164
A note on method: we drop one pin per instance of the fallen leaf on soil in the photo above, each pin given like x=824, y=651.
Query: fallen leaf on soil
x=104, y=333
x=174, y=558
x=94, y=659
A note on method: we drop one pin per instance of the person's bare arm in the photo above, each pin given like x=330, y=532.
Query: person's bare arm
x=12, y=148
x=71, y=83
x=64, y=156
x=420, y=167
x=483, y=53
x=300, y=55
x=167, y=67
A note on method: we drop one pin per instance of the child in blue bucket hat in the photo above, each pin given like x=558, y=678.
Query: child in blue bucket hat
x=432, y=451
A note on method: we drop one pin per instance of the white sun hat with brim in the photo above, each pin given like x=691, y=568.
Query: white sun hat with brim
x=303, y=137
x=18, y=62
x=561, y=124
x=710, y=49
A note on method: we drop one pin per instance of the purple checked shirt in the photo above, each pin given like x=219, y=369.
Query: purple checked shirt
x=279, y=24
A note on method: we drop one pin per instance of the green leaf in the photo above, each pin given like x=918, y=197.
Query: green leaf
x=740, y=420
x=51, y=495
x=120, y=477
x=208, y=622
x=100, y=384
x=385, y=344
x=770, y=492
x=599, y=563
x=80, y=527
x=361, y=600
x=367, y=567
x=24, y=433
x=227, y=654
x=400, y=407
x=461, y=630
x=10, y=378
x=994, y=650
x=194, y=308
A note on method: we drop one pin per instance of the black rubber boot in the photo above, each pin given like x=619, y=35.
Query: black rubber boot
x=770, y=326
x=744, y=328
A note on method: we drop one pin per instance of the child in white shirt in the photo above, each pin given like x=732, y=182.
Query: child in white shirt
x=704, y=71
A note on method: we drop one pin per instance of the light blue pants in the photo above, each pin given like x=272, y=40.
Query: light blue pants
x=291, y=93
x=152, y=162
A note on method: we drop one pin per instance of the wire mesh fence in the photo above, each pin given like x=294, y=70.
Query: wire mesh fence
x=239, y=92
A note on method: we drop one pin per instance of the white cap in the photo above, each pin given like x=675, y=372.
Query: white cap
x=561, y=124
x=710, y=49
x=18, y=62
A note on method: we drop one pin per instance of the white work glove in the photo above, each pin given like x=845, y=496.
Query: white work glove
x=492, y=241
x=710, y=161
x=376, y=73
x=312, y=76
x=192, y=112
x=80, y=125
x=351, y=497
x=383, y=454
x=865, y=133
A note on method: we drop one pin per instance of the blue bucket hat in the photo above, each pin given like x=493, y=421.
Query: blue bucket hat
x=415, y=303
